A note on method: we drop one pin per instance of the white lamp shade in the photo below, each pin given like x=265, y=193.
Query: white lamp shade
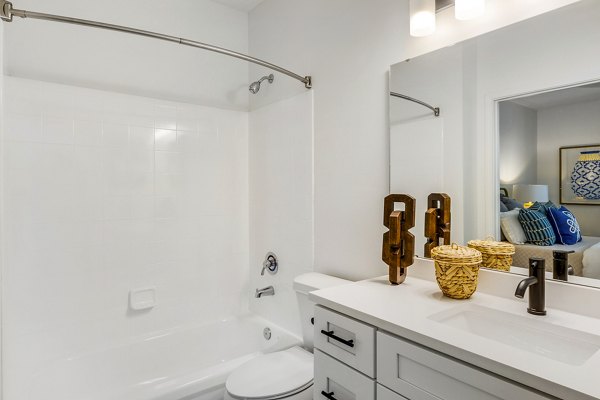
x=422, y=17
x=468, y=9
x=530, y=193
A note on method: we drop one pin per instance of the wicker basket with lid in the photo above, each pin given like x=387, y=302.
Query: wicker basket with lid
x=456, y=270
x=496, y=255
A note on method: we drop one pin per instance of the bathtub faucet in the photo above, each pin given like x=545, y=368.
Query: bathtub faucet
x=268, y=291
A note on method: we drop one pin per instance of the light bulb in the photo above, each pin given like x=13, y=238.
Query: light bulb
x=422, y=17
x=468, y=9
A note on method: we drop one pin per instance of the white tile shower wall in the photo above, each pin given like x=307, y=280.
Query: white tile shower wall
x=105, y=193
x=281, y=203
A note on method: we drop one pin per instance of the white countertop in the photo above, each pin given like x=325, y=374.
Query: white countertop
x=404, y=310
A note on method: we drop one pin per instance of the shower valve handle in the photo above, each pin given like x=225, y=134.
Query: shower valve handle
x=270, y=264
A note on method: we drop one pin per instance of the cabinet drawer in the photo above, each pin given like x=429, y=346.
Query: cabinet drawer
x=421, y=374
x=384, y=393
x=346, y=339
x=334, y=380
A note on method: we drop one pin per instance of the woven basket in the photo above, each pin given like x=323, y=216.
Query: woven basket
x=496, y=255
x=456, y=270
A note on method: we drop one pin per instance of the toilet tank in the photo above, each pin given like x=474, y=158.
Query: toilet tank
x=303, y=284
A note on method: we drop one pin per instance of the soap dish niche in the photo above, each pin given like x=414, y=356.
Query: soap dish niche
x=142, y=298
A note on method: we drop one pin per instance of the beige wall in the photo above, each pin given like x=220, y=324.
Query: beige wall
x=571, y=125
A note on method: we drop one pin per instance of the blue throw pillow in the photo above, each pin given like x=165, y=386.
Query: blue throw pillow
x=542, y=207
x=565, y=225
x=537, y=227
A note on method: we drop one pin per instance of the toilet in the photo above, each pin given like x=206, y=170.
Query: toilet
x=286, y=374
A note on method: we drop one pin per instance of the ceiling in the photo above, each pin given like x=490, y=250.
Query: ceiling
x=244, y=5
x=578, y=94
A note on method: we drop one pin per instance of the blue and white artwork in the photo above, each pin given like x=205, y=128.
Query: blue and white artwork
x=580, y=175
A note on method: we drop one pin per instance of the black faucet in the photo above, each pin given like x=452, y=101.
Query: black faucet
x=561, y=268
x=537, y=287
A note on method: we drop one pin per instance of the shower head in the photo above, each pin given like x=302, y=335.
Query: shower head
x=255, y=86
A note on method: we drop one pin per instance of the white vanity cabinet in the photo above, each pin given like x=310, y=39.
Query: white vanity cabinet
x=354, y=360
x=418, y=373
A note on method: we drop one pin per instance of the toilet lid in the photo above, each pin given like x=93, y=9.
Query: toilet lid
x=272, y=375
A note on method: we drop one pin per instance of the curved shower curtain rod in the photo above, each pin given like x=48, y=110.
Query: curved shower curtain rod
x=7, y=12
x=436, y=110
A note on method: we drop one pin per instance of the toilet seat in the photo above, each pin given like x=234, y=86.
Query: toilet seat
x=272, y=376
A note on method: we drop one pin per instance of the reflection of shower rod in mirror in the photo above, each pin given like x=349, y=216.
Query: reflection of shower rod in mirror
x=436, y=110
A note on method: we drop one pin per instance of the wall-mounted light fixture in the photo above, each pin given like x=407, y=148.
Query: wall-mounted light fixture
x=422, y=17
x=422, y=13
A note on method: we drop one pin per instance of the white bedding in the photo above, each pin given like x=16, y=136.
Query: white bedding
x=591, y=262
x=525, y=251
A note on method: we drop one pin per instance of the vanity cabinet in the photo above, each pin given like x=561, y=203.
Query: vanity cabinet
x=354, y=360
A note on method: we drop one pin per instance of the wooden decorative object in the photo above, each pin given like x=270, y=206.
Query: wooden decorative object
x=398, y=243
x=437, y=221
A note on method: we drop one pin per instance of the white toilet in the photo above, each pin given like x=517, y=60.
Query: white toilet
x=286, y=374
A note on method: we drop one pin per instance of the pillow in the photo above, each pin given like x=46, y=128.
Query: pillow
x=511, y=227
x=565, y=225
x=511, y=204
x=537, y=228
x=542, y=207
x=503, y=207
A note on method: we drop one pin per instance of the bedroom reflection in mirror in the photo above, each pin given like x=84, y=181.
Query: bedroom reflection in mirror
x=549, y=153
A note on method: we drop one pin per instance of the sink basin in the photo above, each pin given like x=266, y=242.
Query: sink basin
x=556, y=342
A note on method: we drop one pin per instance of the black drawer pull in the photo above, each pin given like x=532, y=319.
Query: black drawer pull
x=328, y=395
x=330, y=334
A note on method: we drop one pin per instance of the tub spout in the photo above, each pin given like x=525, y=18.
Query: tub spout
x=268, y=291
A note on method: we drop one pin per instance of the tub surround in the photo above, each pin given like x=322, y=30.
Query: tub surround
x=418, y=311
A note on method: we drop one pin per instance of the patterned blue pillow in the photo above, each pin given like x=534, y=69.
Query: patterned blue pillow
x=542, y=207
x=565, y=225
x=537, y=228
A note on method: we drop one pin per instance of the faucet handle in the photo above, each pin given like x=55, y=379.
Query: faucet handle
x=563, y=254
x=270, y=264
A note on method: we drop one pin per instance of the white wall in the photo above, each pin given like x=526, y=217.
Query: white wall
x=105, y=193
x=281, y=203
x=1, y=204
x=89, y=57
x=348, y=46
x=570, y=125
x=518, y=140
x=506, y=68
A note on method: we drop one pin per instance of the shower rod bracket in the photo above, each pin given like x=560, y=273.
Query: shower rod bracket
x=308, y=82
x=7, y=11
x=436, y=110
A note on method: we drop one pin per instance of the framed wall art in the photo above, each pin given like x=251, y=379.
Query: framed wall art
x=580, y=175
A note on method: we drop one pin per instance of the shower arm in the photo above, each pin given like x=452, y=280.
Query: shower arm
x=7, y=12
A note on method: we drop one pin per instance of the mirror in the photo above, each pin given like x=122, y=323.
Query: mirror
x=488, y=90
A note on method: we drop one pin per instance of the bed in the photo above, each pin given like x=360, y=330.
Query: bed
x=585, y=259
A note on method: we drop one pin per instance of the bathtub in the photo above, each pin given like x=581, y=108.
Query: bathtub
x=187, y=363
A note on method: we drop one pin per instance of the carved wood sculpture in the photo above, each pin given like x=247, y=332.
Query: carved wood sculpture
x=437, y=221
x=398, y=243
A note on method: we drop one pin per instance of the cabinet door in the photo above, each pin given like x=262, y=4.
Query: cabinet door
x=346, y=339
x=384, y=393
x=418, y=373
x=336, y=381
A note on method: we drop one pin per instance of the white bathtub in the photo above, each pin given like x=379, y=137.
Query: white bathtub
x=190, y=363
